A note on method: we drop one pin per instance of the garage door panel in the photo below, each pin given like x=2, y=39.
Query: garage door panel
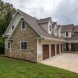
x=52, y=50
x=45, y=51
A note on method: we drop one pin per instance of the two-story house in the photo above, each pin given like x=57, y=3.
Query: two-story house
x=70, y=34
x=31, y=39
x=35, y=40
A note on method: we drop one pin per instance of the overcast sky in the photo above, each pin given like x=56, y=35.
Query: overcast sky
x=62, y=11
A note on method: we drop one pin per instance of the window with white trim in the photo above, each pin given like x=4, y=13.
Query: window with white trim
x=23, y=45
x=23, y=25
x=50, y=27
x=8, y=45
x=12, y=27
x=66, y=34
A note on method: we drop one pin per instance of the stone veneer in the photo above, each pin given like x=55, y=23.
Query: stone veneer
x=28, y=35
x=7, y=52
x=40, y=57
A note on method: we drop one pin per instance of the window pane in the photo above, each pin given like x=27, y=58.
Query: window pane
x=23, y=45
x=12, y=27
x=8, y=45
x=23, y=24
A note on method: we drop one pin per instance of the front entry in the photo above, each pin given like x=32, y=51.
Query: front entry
x=57, y=48
x=52, y=50
x=45, y=51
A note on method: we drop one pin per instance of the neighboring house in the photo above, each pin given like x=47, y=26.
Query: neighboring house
x=34, y=40
x=70, y=34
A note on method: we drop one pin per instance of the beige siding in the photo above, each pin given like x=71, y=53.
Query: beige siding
x=64, y=34
x=44, y=26
x=15, y=21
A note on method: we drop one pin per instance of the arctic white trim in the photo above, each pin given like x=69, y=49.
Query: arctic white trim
x=54, y=39
x=15, y=27
x=10, y=23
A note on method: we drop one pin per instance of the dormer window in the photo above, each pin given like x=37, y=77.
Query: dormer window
x=66, y=34
x=12, y=27
x=50, y=27
x=23, y=25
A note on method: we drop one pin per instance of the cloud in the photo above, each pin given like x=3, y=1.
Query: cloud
x=67, y=12
x=62, y=11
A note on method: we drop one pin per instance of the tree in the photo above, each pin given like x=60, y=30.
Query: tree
x=6, y=14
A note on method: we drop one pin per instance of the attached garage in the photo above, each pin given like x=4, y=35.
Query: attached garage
x=52, y=50
x=45, y=51
x=57, y=48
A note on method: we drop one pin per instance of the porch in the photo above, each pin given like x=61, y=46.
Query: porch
x=70, y=47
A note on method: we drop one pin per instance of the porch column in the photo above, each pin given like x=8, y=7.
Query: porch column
x=59, y=48
x=49, y=49
x=55, y=49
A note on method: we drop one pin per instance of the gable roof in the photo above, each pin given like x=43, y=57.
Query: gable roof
x=68, y=27
x=75, y=28
x=33, y=22
x=73, y=37
x=44, y=20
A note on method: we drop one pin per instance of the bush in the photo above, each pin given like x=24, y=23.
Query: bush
x=1, y=45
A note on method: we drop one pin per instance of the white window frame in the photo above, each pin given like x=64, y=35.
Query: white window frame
x=21, y=25
x=67, y=35
x=20, y=45
x=12, y=26
x=9, y=45
x=50, y=27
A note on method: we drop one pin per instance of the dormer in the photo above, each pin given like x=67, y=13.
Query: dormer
x=50, y=26
x=54, y=28
x=59, y=30
x=46, y=24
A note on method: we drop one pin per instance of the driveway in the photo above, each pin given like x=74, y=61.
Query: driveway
x=68, y=61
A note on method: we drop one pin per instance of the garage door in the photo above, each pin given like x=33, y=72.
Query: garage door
x=52, y=50
x=45, y=51
x=57, y=48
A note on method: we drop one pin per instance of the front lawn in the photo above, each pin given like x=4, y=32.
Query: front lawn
x=11, y=68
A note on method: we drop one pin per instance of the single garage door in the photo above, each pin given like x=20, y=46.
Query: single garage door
x=52, y=50
x=57, y=48
x=45, y=51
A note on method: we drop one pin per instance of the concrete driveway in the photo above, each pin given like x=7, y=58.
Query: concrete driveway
x=68, y=61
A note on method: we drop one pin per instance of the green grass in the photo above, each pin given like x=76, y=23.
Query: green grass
x=11, y=68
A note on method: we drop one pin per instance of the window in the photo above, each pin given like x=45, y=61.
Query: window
x=12, y=27
x=66, y=45
x=8, y=45
x=75, y=33
x=23, y=45
x=23, y=24
x=66, y=34
x=49, y=27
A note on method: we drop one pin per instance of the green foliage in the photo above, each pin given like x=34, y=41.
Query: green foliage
x=6, y=14
x=1, y=42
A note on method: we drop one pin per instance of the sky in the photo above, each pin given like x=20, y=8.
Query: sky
x=61, y=11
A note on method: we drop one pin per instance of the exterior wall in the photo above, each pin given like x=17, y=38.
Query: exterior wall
x=16, y=19
x=64, y=34
x=24, y=35
x=44, y=26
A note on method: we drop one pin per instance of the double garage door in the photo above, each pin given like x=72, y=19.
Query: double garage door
x=46, y=50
